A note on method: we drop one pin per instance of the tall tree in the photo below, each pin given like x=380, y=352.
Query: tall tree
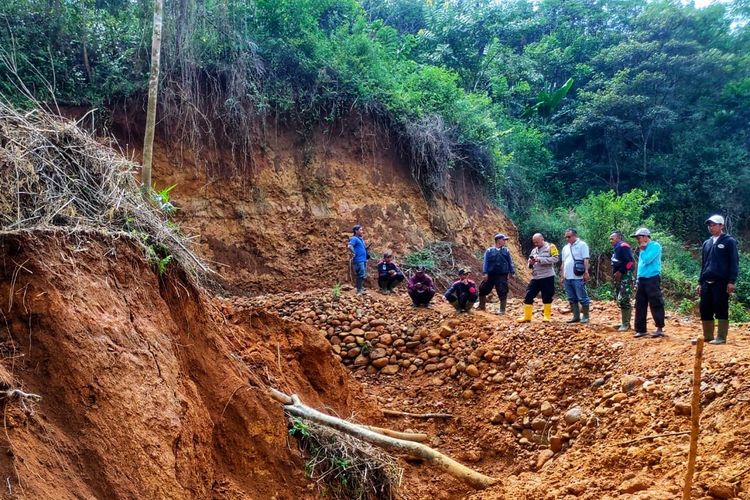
x=153, y=91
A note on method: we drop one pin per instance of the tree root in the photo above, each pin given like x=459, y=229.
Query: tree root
x=23, y=397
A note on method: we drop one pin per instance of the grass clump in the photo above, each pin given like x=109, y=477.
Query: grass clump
x=345, y=467
x=53, y=175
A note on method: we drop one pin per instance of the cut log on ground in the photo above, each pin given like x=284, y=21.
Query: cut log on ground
x=295, y=407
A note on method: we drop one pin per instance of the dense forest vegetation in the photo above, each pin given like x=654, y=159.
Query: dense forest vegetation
x=597, y=113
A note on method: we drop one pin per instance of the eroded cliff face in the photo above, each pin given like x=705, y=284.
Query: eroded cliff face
x=283, y=222
x=148, y=389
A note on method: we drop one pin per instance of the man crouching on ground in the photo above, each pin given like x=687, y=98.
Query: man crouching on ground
x=463, y=293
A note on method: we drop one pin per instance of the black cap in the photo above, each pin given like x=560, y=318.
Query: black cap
x=356, y=228
x=501, y=236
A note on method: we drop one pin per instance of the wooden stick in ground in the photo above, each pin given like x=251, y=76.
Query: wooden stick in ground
x=295, y=407
x=695, y=419
x=394, y=413
x=654, y=436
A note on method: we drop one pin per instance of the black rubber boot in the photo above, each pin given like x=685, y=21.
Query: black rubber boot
x=708, y=330
x=584, y=314
x=482, y=303
x=721, y=332
x=576, y=313
x=625, y=325
x=503, y=304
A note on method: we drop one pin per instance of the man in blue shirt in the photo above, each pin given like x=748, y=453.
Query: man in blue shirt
x=648, y=293
x=359, y=257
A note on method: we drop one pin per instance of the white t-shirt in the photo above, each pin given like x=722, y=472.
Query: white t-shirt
x=580, y=251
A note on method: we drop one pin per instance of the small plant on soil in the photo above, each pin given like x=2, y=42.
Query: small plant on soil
x=365, y=347
x=161, y=197
x=336, y=292
x=157, y=258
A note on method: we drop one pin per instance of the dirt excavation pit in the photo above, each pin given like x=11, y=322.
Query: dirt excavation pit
x=552, y=410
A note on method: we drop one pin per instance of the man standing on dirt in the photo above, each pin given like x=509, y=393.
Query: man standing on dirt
x=719, y=269
x=648, y=292
x=463, y=293
x=359, y=257
x=498, y=263
x=574, y=273
x=389, y=274
x=622, y=275
x=542, y=262
x=421, y=288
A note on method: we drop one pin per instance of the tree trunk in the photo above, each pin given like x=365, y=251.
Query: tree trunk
x=295, y=407
x=153, y=90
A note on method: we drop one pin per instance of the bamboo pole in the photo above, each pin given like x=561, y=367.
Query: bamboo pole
x=395, y=413
x=695, y=419
x=408, y=436
x=295, y=407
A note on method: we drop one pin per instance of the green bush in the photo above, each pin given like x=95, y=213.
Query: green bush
x=742, y=293
x=738, y=313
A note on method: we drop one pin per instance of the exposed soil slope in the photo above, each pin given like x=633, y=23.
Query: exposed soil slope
x=284, y=223
x=148, y=389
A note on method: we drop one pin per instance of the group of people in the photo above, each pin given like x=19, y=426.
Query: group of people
x=719, y=271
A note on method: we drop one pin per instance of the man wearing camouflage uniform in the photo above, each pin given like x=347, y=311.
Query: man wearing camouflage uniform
x=622, y=273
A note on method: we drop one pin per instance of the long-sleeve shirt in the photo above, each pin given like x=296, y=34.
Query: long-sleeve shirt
x=622, y=257
x=498, y=261
x=720, y=260
x=649, y=260
x=385, y=267
x=548, y=256
x=459, y=288
x=424, y=280
x=358, y=248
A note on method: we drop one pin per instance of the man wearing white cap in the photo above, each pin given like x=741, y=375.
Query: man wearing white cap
x=648, y=293
x=719, y=269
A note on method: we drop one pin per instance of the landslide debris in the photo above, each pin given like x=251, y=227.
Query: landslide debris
x=554, y=410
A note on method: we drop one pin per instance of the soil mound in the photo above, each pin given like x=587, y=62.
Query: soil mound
x=147, y=389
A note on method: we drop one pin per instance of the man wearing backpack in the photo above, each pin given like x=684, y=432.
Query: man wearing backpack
x=498, y=264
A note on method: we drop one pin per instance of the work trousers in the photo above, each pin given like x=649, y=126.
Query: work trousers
x=648, y=295
x=544, y=285
x=714, y=301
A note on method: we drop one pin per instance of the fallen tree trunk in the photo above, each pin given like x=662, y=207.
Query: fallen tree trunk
x=295, y=407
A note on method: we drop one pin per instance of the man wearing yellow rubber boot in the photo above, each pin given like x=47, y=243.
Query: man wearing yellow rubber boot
x=542, y=262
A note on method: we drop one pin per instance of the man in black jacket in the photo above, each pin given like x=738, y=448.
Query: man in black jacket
x=498, y=264
x=719, y=269
x=463, y=292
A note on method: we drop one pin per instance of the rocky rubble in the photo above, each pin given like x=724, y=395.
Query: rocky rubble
x=526, y=393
